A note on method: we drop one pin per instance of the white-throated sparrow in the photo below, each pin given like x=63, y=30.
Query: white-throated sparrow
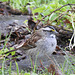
x=41, y=42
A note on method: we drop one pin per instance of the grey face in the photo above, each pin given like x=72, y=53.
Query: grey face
x=48, y=31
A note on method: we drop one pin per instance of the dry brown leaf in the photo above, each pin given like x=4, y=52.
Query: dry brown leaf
x=54, y=70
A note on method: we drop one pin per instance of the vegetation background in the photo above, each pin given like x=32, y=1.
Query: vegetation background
x=54, y=12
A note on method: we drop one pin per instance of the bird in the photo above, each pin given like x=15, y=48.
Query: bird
x=41, y=42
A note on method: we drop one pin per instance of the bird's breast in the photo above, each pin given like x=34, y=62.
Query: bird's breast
x=46, y=45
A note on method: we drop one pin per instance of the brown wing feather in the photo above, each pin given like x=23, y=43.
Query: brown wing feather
x=30, y=43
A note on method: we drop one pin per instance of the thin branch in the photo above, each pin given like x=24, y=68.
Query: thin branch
x=57, y=10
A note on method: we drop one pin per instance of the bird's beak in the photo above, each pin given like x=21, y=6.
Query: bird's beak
x=56, y=33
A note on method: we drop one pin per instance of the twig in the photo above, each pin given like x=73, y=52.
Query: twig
x=58, y=17
x=42, y=65
x=51, y=60
x=10, y=51
x=57, y=10
x=73, y=36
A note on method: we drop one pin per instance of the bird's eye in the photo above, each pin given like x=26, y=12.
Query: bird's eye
x=51, y=31
x=44, y=30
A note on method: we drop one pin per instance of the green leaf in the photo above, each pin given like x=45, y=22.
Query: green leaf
x=6, y=49
x=17, y=68
x=46, y=18
x=40, y=10
x=53, y=16
x=25, y=21
x=10, y=68
x=27, y=74
x=13, y=53
x=11, y=48
x=32, y=73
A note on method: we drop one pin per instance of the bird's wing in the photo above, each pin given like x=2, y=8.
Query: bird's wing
x=29, y=43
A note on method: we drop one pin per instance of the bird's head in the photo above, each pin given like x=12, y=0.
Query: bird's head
x=48, y=30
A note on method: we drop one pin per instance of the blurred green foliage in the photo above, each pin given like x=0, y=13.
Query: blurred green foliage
x=45, y=7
